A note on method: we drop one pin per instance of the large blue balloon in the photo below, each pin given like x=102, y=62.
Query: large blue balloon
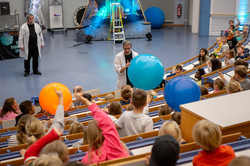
x=146, y=72
x=181, y=90
x=156, y=16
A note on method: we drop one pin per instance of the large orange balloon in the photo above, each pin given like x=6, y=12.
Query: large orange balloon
x=49, y=100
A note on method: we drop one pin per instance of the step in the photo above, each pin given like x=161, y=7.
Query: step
x=123, y=38
x=119, y=33
x=118, y=26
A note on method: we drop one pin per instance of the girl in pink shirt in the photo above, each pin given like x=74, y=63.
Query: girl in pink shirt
x=102, y=136
x=9, y=109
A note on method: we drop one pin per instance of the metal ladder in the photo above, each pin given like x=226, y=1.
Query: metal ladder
x=116, y=23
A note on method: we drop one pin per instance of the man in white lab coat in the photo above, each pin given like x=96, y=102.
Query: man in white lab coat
x=122, y=62
x=30, y=43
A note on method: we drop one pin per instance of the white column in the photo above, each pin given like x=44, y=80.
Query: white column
x=195, y=16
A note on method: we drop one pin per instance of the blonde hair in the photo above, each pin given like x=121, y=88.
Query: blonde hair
x=47, y=160
x=75, y=128
x=59, y=148
x=233, y=87
x=152, y=93
x=218, y=38
x=94, y=137
x=171, y=128
x=34, y=130
x=21, y=132
x=207, y=135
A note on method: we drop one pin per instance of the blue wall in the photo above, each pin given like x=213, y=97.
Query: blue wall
x=204, y=17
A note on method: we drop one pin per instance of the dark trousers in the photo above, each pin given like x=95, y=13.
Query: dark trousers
x=33, y=53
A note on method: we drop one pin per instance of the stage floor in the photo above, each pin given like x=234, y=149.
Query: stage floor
x=92, y=65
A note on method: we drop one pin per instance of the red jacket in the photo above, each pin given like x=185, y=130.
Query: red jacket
x=222, y=156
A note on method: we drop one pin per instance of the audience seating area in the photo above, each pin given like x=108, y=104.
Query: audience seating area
x=139, y=145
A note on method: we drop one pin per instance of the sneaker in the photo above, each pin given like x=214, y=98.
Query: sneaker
x=26, y=74
x=37, y=72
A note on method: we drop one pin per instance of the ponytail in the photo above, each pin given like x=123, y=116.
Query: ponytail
x=32, y=139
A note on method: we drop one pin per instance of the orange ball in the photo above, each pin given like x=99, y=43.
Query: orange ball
x=49, y=100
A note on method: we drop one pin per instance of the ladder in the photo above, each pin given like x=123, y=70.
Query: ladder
x=116, y=25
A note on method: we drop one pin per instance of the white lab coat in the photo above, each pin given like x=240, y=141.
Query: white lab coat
x=119, y=62
x=23, y=41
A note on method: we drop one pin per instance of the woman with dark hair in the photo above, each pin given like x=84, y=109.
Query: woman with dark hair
x=9, y=110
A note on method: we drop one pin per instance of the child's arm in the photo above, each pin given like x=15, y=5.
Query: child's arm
x=238, y=24
x=58, y=121
x=34, y=150
x=104, y=122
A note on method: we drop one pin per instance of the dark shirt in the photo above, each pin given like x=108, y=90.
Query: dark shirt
x=17, y=118
x=32, y=37
x=232, y=43
x=125, y=102
x=128, y=58
x=239, y=57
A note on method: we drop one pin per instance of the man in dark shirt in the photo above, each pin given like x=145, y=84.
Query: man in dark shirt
x=30, y=41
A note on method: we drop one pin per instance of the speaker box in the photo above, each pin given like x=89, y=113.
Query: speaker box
x=4, y=8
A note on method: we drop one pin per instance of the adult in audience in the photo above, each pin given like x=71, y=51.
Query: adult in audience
x=26, y=107
x=30, y=42
x=122, y=63
x=9, y=110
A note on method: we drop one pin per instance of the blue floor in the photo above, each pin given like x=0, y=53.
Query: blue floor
x=92, y=65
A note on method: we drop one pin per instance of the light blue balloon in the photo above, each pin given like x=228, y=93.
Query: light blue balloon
x=181, y=90
x=146, y=72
